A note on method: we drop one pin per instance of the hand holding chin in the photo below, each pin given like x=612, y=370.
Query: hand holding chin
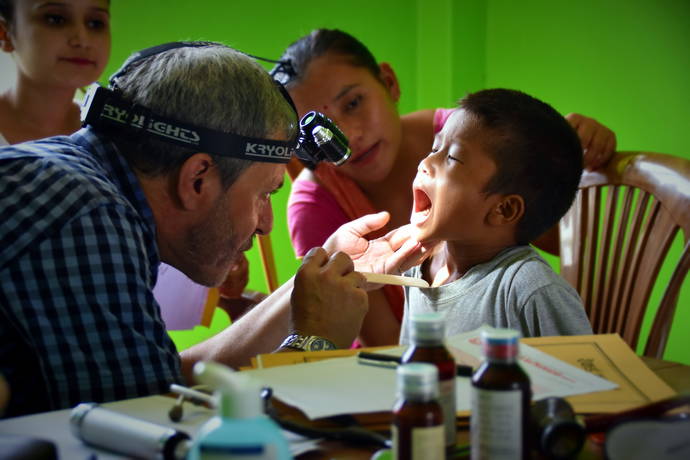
x=393, y=253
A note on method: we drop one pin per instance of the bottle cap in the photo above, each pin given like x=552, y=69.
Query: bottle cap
x=427, y=328
x=417, y=380
x=500, y=343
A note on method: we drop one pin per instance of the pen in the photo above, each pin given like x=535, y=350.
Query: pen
x=383, y=360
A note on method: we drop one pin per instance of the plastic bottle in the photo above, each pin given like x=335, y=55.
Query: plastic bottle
x=500, y=399
x=241, y=430
x=427, y=337
x=417, y=429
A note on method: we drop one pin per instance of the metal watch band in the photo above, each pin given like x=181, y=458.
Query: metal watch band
x=307, y=343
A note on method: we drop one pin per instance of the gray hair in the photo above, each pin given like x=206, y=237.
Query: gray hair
x=211, y=86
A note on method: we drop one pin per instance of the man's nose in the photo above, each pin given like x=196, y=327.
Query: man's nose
x=265, y=223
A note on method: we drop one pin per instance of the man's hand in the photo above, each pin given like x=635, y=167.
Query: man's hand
x=598, y=142
x=393, y=253
x=327, y=298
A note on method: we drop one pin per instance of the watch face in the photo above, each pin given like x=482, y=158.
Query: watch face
x=308, y=343
x=317, y=345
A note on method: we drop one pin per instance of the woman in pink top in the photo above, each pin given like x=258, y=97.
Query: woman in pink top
x=332, y=72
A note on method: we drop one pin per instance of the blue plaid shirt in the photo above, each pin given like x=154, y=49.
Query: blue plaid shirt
x=78, y=261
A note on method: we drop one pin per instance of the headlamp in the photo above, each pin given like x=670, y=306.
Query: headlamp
x=319, y=138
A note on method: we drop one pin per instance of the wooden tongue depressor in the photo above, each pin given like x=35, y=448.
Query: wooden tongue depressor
x=378, y=278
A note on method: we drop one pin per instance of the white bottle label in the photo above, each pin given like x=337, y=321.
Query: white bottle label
x=427, y=443
x=446, y=398
x=496, y=424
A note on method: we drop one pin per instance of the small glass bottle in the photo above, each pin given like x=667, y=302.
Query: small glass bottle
x=500, y=400
x=417, y=427
x=427, y=345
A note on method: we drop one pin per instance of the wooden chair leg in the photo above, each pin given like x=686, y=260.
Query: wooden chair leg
x=268, y=262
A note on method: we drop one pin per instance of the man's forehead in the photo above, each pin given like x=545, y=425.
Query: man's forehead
x=266, y=174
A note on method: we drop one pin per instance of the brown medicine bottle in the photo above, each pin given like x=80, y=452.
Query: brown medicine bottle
x=427, y=345
x=417, y=428
x=500, y=400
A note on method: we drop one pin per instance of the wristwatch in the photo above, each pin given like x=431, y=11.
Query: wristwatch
x=307, y=343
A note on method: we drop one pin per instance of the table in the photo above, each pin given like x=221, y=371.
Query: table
x=54, y=425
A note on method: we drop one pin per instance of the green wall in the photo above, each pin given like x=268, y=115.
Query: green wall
x=624, y=63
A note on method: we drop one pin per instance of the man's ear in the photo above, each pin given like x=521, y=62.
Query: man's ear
x=197, y=182
x=5, y=39
x=509, y=210
x=390, y=80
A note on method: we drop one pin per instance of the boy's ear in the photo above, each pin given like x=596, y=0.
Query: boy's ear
x=5, y=39
x=509, y=210
x=390, y=80
x=197, y=182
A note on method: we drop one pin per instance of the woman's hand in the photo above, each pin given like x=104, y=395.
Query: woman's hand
x=598, y=142
x=392, y=253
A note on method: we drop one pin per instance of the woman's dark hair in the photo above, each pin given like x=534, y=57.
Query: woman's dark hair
x=297, y=57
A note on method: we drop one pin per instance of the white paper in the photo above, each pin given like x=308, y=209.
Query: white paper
x=343, y=386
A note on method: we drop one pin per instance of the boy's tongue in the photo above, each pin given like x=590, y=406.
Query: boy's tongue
x=422, y=207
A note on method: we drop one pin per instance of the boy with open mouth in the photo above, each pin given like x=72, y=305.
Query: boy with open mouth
x=504, y=169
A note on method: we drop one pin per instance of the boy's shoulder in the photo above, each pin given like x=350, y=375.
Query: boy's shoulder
x=523, y=268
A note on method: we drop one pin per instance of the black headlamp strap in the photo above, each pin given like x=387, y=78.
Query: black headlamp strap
x=104, y=108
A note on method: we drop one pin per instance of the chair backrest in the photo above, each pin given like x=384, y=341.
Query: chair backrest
x=616, y=237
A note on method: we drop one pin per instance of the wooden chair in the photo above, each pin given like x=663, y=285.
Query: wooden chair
x=616, y=237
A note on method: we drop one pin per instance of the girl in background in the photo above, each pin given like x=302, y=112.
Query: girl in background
x=58, y=47
x=332, y=72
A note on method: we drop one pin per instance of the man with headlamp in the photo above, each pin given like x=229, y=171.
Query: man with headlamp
x=176, y=163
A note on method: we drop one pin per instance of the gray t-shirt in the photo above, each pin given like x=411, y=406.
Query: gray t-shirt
x=517, y=289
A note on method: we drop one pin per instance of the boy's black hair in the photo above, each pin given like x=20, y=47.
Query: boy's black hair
x=297, y=57
x=537, y=155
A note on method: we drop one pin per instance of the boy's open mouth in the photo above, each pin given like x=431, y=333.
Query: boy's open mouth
x=422, y=206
